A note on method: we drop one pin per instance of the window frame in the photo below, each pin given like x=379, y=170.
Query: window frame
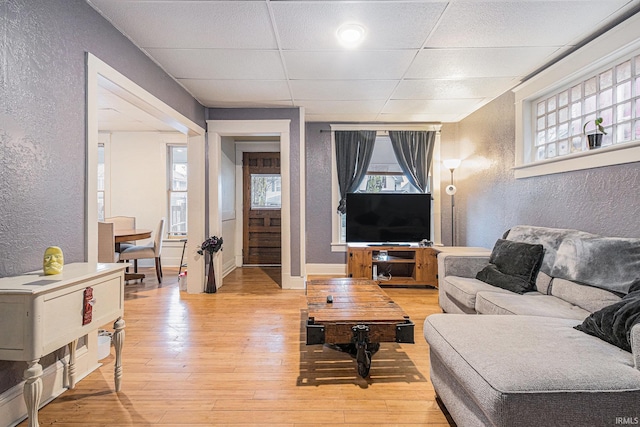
x=337, y=245
x=170, y=234
x=101, y=145
x=610, y=49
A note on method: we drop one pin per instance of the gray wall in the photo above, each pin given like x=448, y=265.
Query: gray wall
x=490, y=200
x=292, y=114
x=319, y=212
x=42, y=122
x=43, y=131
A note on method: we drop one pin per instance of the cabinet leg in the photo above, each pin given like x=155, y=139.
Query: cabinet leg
x=72, y=364
x=33, y=391
x=118, y=342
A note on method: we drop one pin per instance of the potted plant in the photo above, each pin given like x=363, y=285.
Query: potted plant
x=595, y=138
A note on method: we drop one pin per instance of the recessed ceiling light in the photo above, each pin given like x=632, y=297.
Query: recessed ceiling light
x=350, y=35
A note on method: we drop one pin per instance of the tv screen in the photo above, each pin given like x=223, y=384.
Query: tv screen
x=388, y=217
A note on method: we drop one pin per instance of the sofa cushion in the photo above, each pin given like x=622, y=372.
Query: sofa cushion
x=605, y=262
x=531, y=303
x=550, y=238
x=590, y=298
x=512, y=266
x=527, y=370
x=464, y=289
x=613, y=323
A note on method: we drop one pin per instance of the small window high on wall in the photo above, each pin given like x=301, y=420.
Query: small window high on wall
x=556, y=107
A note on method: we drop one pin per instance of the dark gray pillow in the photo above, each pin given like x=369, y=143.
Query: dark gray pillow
x=613, y=323
x=513, y=266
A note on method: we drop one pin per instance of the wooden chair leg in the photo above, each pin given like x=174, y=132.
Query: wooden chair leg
x=135, y=265
x=158, y=270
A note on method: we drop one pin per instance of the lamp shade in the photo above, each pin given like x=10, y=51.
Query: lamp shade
x=451, y=164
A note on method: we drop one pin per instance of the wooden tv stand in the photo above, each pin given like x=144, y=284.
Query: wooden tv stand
x=405, y=265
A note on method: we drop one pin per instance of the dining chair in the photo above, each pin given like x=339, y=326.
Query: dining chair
x=123, y=223
x=107, y=243
x=151, y=250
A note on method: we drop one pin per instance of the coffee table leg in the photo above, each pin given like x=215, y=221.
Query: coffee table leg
x=363, y=355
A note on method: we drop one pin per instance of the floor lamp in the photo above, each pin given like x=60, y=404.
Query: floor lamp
x=451, y=189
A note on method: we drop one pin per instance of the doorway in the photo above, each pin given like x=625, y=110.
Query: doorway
x=262, y=202
x=217, y=129
x=101, y=75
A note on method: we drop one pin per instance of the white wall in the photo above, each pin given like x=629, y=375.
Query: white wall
x=136, y=182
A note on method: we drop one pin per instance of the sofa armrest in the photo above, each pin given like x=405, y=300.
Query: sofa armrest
x=635, y=345
x=462, y=264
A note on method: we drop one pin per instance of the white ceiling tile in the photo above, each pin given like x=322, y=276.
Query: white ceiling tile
x=395, y=25
x=342, y=89
x=227, y=54
x=480, y=62
x=214, y=91
x=342, y=107
x=352, y=65
x=330, y=117
x=432, y=117
x=220, y=63
x=426, y=106
x=193, y=24
x=519, y=23
x=452, y=89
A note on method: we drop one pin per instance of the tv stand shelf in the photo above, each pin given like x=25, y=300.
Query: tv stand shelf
x=405, y=265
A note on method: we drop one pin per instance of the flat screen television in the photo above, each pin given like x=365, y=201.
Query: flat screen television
x=388, y=217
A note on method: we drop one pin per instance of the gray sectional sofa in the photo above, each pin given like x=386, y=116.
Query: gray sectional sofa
x=523, y=362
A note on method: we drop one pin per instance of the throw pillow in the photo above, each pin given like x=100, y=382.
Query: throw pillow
x=513, y=266
x=613, y=323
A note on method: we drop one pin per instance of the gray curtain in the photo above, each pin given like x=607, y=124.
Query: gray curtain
x=353, y=155
x=414, y=151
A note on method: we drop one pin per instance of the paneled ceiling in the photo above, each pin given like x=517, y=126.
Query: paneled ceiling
x=420, y=60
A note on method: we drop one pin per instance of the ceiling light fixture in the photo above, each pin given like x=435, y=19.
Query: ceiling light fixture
x=350, y=35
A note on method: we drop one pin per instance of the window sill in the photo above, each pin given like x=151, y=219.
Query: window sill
x=338, y=247
x=605, y=156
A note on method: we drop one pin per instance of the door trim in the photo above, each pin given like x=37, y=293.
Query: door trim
x=216, y=130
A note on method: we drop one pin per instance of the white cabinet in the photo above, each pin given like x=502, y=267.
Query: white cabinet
x=40, y=314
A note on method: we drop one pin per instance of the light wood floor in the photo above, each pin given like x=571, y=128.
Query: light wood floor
x=238, y=357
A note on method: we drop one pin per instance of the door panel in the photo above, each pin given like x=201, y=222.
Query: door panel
x=262, y=226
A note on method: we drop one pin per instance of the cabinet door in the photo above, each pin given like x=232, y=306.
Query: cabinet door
x=427, y=266
x=359, y=263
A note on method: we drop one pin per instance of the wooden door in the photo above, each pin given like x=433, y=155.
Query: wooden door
x=261, y=227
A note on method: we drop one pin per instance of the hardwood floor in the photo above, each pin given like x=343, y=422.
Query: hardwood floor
x=238, y=358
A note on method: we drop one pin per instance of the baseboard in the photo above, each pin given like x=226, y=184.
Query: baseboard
x=13, y=410
x=326, y=269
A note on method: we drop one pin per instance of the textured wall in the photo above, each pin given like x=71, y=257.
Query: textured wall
x=292, y=114
x=42, y=122
x=43, y=131
x=319, y=212
x=490, y=200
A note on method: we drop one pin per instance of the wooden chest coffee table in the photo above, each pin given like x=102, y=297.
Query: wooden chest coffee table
x=356, y=315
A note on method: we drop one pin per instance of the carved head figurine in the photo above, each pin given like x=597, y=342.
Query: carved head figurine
x=53, y=261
